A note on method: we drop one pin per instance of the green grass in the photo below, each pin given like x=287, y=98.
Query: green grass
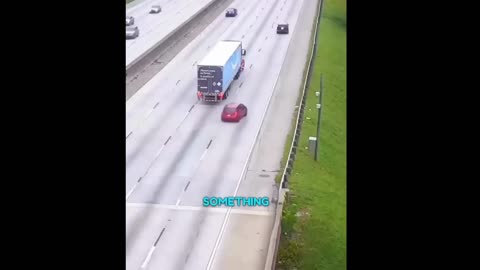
x=317, y=239
x=128, y=1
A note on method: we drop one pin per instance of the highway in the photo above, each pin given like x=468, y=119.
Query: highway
x=178, y=150
x=156, y=27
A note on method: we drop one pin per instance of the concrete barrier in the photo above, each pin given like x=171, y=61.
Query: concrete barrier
x=178, y=27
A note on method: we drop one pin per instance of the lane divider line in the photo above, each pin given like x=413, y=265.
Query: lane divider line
x=185, y=117
x=165, y=143
x=158, y=238
x=149, y=255
x=134, y=186
x=159, y=151
x=148, y=114
x=198, y=166
x=185, y=189
x=209, y=143
x=203, y=155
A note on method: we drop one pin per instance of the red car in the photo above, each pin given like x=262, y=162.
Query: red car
x=233, y=112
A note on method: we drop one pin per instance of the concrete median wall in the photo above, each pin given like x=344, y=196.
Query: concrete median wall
x=166, y=37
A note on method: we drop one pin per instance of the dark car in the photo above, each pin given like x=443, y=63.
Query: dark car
x=231, y=12
x=132, y=32
x=234, y=112
x=155, y=9
x=129, y=21
x=282, y=29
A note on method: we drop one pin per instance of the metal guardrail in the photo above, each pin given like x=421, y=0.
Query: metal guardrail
x=271, y=260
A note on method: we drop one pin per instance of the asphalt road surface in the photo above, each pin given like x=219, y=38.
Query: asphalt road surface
x=178, y=150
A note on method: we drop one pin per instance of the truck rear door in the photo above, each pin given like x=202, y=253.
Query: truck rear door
x=209, y=79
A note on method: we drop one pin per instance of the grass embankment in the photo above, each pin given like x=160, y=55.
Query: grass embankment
x=314, y=218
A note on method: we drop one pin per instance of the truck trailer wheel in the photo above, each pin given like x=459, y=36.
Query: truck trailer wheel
x=237, y=75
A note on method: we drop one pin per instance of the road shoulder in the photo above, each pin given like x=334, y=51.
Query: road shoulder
x=247, y=238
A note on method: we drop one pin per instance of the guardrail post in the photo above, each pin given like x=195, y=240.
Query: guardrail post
x=319, y=108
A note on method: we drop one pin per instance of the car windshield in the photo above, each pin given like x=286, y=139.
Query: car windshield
x=230, y=110
x=230, y=10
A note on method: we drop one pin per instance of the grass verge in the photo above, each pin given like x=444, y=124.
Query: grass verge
x=314, y=218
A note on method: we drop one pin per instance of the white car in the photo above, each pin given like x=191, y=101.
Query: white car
x=129, y=21
x=132, y=32
x=155, y=9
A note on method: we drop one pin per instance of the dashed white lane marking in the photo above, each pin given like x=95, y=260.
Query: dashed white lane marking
x=134, y=186
x=159, y=151
x=131, y=191
x=149, y=256
x=148, y=114
x=203, y=155
x=198, y=166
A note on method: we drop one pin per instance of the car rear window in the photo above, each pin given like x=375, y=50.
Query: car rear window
x=230, y=110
